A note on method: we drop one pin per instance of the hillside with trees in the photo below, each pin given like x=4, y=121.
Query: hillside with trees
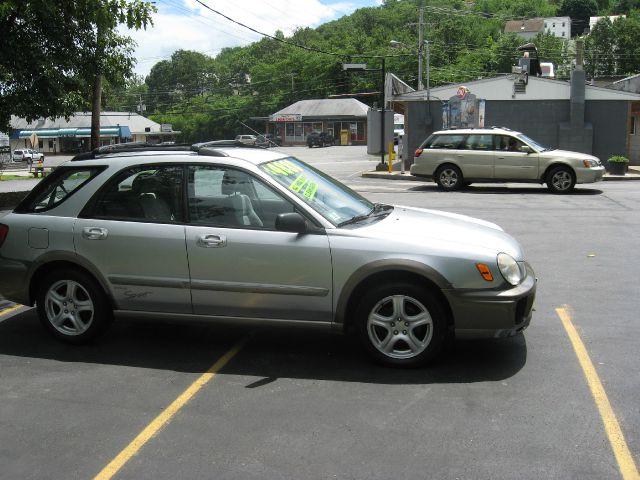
x=207, y=97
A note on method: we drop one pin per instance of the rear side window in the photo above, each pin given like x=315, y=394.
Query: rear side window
x=57, y=187
x=447, y=141
x=479, y=142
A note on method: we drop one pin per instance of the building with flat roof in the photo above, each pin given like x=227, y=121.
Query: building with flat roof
x=59, y=135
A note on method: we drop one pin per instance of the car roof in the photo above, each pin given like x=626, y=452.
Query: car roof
x=467, y=131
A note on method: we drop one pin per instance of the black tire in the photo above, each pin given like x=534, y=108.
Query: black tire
x=561, y=180
x=398, y=338
x=449, y=178
x=79, y=304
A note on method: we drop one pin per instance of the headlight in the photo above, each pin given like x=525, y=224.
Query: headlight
x=590, y=163
x=509, y=269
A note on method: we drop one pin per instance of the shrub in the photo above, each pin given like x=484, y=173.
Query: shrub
x=618, y=159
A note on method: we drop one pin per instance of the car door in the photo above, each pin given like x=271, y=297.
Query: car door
x=133, y=233
x=240, y=265
x=512, y=162
x=477, y=156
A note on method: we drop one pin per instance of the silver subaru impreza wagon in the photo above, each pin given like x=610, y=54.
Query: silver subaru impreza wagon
x=247, y=235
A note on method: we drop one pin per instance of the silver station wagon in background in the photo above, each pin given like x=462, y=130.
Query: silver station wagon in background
x=247, y=235
x=456, y=158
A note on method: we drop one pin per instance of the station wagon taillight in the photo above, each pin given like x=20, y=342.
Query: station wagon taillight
x=4, y=230
x=418, y=152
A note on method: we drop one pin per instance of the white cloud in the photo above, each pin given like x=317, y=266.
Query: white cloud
x=186, y=24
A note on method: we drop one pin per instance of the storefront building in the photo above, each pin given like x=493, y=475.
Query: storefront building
x=59, y=135
x=344, y=119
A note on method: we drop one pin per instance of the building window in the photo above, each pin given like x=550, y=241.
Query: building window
x=632, y=127
x=563, y=24
x=546, y=25
x=563, y=34
x=553, y=25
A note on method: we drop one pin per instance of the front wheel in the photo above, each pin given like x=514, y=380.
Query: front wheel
x=449, y=177
x=401, y=325
x=72, y=306
x=561, y=180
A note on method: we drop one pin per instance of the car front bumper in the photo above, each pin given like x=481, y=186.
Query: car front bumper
x=589, y=175
x=495, y=313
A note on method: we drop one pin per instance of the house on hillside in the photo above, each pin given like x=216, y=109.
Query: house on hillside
x=58, y=135
x=529, y=28
x=344, y=118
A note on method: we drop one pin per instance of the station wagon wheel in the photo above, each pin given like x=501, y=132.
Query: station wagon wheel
x=561, y=180
x=72, y=306
x=401, y=325
x=449, y=177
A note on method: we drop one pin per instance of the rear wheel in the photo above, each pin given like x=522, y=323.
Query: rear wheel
x=401, y=325
x=449, y=177
x=561, y=180
x=72, y=306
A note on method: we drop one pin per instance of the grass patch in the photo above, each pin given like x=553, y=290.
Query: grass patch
x=14, y=177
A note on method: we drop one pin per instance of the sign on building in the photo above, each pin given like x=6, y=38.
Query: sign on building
x=463, y=110
x=286, y=117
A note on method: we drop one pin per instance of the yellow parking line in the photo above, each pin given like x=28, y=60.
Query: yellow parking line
x=7, y=311
x=161, y=420
x=621, y=451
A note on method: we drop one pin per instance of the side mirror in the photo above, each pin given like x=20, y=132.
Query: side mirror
x=291, y=222
x=526, y=149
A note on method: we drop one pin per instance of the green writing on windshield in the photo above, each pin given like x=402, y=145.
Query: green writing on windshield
x=298, y=183
x=310, y=191
x=275, y=169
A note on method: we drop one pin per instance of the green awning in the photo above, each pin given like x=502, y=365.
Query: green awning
x=121, y=131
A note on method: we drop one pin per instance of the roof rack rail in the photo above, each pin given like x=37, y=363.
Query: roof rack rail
x=203, y=148
x=131, y=147
x=196, y=147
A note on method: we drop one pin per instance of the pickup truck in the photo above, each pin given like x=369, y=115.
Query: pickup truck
x=27, y=154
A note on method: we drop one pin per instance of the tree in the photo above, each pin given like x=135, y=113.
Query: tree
x=56, y=52
x=579, y=11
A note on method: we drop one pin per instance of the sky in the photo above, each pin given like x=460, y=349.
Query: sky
x=188, y=25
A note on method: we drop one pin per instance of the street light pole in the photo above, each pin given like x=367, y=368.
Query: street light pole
x=381, y=165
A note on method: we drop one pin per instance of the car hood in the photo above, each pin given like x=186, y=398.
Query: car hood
x=425, y=229
x=567, y=154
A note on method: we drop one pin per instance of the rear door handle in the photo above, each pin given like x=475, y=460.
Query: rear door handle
x=211, y=240
x=94, y=233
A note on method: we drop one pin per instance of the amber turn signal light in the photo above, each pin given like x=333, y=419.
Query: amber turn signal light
x=418, y=152
x=485, y=272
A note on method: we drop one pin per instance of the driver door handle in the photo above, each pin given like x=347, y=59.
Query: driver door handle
x=211, y=240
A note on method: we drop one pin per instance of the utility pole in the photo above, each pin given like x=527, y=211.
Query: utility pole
x=420, y=47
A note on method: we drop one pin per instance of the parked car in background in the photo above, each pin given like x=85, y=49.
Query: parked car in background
x=246, y=139
x=27, y=155
x=268, y=140
x=319, y=139
x=250, y=235
x=455, y=158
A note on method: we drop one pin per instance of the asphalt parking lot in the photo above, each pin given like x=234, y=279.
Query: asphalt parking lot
x=154, y=401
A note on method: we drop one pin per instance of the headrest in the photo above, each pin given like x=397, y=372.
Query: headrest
x=233, y=181
x=145, y=184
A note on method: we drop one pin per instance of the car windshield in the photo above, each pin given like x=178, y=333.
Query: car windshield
x=330, y=198
x=538, y=146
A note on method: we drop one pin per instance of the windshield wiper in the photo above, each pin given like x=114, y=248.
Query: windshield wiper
x=375, y=211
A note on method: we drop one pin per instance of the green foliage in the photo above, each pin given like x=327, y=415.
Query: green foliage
x=618, y=159
x=53, y=49
x=208, y=98
x=579, y=11
x=613, y=48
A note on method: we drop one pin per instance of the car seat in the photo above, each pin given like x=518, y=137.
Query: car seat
x=236, y=185
x=147, y=191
